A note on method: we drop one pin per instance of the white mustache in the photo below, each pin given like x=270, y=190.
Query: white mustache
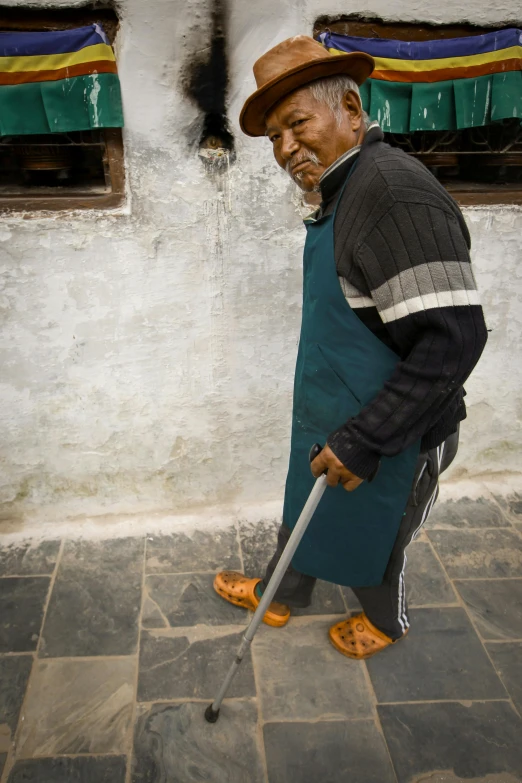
x=293, y=162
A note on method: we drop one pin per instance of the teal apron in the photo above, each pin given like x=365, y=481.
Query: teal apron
x=341, y=367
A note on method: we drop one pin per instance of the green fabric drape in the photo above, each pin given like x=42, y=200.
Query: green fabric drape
x=79, y=103
x=402, y=107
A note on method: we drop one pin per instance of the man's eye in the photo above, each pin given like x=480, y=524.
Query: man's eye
x=297, y=122
x=273, y=138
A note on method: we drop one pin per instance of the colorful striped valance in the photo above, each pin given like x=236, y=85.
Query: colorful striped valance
x=439, y=85
x=60, y=81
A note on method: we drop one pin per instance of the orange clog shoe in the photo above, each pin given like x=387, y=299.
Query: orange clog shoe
x=358, y=638
x=237, y=589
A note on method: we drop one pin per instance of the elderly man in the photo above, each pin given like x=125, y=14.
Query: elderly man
x=391, y=329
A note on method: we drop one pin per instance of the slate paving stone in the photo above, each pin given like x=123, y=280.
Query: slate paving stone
x=515, y=504
x=175, y=668
x=425, y=580
x=14, y=674
x=511, y=505
x=174, y=743
x=22, y=601
x=302, y=677
x=258, y=544
x=441, y=658
x=467, y=513
x=351, y=600
x=151, y=617
x=495, y=606
x=29, y=559
x=329, y=751
x=78, y=707
x=188, y=599
x=96, y=600
x=472, y=741
x=507, y=658
x=86, y=769
x=478, y=553
x=178, y=553
x=421, y=536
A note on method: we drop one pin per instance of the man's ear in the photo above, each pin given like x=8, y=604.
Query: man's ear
x=352, y=104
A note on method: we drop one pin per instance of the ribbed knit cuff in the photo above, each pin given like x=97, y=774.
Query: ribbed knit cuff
x=360, y=461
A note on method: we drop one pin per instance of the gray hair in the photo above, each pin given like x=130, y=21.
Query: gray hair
x=331, y=90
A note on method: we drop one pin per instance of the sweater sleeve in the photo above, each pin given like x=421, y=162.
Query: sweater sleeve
x=416, y=263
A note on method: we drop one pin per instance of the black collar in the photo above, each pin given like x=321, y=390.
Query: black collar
x=335, y=176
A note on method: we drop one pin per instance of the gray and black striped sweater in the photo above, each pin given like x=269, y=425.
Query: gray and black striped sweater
x=402, y=254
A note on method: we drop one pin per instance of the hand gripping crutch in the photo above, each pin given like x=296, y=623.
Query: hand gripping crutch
x=212, y=711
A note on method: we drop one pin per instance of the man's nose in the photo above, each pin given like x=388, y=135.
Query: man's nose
x=289, y=145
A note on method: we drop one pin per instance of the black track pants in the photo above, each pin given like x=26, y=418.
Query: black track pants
x=385, y=605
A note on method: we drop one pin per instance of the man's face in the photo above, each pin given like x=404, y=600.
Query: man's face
x=307, y=137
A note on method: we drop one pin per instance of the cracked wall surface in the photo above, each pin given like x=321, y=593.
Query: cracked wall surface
x=147, y=354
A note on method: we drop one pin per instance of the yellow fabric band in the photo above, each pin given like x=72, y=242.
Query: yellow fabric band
x=51, y=62
x=393, y=64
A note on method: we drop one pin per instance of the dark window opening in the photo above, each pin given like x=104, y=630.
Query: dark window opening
x=16, y=19
x=77, y=165
x=471, y=159
x=476, y=165
x=61, y=171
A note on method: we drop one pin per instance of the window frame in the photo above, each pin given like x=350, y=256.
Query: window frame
x=13, y=19
x=475, y=195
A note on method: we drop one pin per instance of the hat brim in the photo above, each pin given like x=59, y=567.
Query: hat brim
x=358, y=65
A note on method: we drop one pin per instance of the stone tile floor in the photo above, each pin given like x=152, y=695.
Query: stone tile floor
x=111, y=650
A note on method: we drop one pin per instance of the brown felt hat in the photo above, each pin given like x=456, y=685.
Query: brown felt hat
x=292, y=64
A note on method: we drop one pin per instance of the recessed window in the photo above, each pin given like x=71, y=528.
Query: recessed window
x=69, y=168
x=468, y=130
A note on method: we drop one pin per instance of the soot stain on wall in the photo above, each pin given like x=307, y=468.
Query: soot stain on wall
x=205, y=82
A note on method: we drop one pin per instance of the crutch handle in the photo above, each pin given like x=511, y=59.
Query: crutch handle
x=315, y=451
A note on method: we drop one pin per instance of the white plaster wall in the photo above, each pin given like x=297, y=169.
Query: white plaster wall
x=147, y=355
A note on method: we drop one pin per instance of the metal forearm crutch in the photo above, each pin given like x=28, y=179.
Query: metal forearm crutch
x=212, y=711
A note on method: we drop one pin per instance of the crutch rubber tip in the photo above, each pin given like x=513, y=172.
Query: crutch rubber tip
x=210, y=715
